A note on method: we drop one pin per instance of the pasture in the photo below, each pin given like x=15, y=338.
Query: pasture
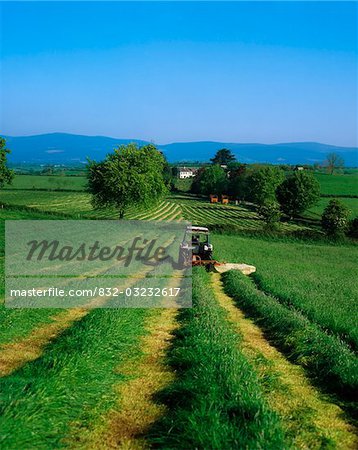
x=339, y=184
x=317, y=210
x=48, y=182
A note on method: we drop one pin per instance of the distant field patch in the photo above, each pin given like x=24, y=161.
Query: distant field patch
x=340, y=184
x=50, y=182
x=351, y=204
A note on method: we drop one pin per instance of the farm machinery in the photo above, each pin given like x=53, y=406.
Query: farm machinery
x=197, y=250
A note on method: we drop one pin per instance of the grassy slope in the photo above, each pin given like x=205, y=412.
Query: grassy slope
x=337, y=186
x=201, y=212
x=63, y=202
x=318, y=280
x=216, y=401
x=77, y=205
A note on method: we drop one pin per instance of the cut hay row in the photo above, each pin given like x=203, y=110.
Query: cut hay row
x=71, y=383
x=194, y=210
x=215, y=400
x=164, y=211
x=316, y=279
x=178, y=216
x=15, y=354
x=215, y=216
x=135, y=215
x=31, y=330
x=235, y=215
x=330, y=360
x=157, y=212
x=290, y=390
x=82, y=360
x=136, y=408
x=171, y=210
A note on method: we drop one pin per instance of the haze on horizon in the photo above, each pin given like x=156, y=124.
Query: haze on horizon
x=230, y=72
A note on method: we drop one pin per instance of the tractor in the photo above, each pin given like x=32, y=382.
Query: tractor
x=196, y=250
x=195, y=247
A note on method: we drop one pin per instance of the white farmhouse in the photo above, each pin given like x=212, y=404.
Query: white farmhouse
x=186, y=172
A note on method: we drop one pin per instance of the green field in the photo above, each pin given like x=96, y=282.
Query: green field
x=213, y=378
x=318, y=280
x=48, y=182
x=339, y=184
x=87, y=379
x=350, y=203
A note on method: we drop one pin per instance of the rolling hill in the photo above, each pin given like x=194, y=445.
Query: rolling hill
x=63, y=148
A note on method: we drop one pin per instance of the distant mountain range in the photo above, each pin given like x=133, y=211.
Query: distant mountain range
x=63, y=148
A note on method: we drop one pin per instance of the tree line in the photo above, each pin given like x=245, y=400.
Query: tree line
x=275, y=192
x=266, y=186
x=133, y=176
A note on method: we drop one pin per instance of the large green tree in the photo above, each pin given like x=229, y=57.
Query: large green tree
x=298, y=192
x=238, y=179
x=6, y=174
x=262, y=184
x=213, y=180
x=128, y=176
x=223, y=156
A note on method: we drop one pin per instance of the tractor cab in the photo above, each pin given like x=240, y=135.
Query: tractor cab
x=196, y=242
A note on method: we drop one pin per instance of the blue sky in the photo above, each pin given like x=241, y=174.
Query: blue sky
x=234, y=72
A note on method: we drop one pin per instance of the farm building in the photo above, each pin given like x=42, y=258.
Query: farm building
x=186, y=172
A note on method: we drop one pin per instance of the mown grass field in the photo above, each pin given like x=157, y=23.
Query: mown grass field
x=223, y=386
x=316, y=279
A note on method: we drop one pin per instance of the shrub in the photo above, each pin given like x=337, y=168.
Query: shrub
x=353, y=228
x=335, y=218
x=298, y=192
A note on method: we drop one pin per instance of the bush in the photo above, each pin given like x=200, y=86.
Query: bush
x=353, y=228
x=335, y=218
x=298, y=192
